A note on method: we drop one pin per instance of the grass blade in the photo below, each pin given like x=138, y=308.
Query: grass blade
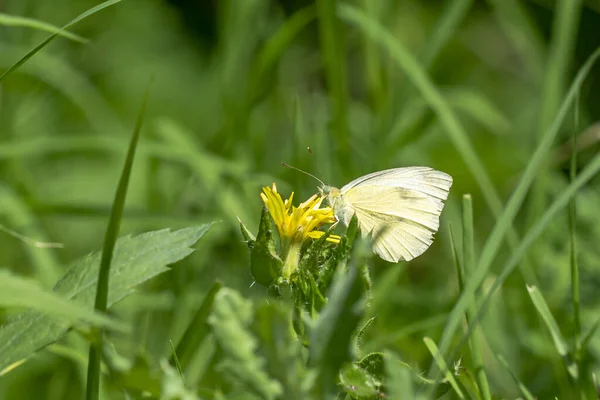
x=440, y=106
x=559, y=341
x=524, y=391
x=439, y=359
x=15, y=20
x=475, y=338
x=561, y=202
x=196, y=331
x=572, y=243
x=454, y=13
x=112, y=232
x=431, y=96
x=505, y=222
x=564, y=33
x=50, y=38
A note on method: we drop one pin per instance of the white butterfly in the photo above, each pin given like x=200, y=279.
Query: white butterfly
x=407, y=202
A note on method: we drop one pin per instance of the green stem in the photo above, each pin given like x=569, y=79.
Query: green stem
x=292, y=257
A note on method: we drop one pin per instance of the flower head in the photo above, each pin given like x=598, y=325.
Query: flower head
x=297, y=224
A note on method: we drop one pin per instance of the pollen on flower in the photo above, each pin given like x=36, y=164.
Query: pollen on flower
x=297, y=224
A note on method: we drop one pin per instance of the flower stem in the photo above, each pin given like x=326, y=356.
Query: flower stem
x=292, y=258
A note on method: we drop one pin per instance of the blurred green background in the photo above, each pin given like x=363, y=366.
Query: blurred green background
x=241, y=86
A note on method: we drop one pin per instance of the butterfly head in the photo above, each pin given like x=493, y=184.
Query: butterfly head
x=332, y=194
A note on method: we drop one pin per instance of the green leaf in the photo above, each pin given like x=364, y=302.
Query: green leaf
x=331, y=338
x=265, y=264
x=16, y=291
x=136, y=259
x=230, y=320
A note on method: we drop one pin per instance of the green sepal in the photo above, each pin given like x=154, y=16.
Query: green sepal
x=265, y=264
x=248, y=236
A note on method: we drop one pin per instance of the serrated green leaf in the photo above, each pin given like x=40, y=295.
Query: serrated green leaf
x=230, y=320
x=136, y=259
x=16, y=291
x=265, y=264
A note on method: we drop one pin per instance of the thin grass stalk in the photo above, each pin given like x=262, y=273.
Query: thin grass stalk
x=110, y=239
x=475, y=338
x=573, y=249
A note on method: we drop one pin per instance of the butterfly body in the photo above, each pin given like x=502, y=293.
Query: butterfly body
x=399, y=206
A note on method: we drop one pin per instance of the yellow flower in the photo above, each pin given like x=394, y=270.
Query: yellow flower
x=297, y=224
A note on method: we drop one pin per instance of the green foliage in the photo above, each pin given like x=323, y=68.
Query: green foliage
x=497, y=94
x=265, y=264
x=231, y=319
x=136, y=259
x=19, y=292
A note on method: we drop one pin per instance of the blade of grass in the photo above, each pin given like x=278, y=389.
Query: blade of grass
x=520, y=29
x=572, y=242
x=561, y=202
x=524, y=391
x=457, y=263
x=439, y=359
x=446, y=116
x=588, y=336
x=559, y=341
x=15, y=20
x=278, y=42
x=452, y=16
x=332, y=46
x=112, y=232
x=44, y=261
x=196, y=331
x=504, y=223
x=50, y=38
x=564, y=33
x=475, y=338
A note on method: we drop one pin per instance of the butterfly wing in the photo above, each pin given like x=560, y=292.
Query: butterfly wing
x=400, y=206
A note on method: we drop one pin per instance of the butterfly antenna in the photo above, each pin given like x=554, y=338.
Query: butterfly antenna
x=304, y=172
x=316, y=165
